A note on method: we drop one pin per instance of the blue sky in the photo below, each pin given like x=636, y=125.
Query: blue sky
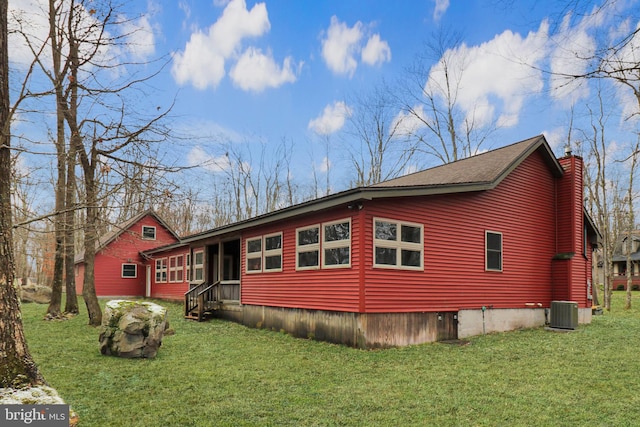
x=245, y=71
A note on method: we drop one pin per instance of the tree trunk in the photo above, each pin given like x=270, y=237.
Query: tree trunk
x=16, y=365
x=88, y=163
x=631, y=219
x=89, y=289
x=58, y=264
x=71, y=302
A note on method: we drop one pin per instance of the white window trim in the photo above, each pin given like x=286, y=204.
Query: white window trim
x=197, y=267
x=162, y=269
x=175, y=269
x=398, y=245
x=154, y=232
x=336, y=244
x=187, y=266
x=313, y=247
x=486, y=251
x=253, y=255
x=272, y=252
x=135, y=269
x=179, y=268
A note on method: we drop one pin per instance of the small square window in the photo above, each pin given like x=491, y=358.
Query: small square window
x=148, y=233
x=308, y=247
x=129, y=270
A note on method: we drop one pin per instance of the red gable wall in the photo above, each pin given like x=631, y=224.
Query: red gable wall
x=522, y=207
x=126, y=249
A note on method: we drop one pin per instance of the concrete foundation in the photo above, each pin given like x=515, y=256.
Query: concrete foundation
x=380, y=330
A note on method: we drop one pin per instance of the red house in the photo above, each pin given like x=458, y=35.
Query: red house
x=479, y=245
x=619, y=263
x=120, y=269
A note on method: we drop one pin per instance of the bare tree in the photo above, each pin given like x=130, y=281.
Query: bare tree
x=599, y=193
x=380, y=150
x=631, y=222
x=104, y=132
x=16, y=364
x=429, y=98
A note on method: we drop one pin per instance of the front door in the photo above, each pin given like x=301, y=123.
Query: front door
x=147, y=292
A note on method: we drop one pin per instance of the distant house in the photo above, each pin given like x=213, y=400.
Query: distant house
x=619, y=263
x=483, y=244
x=120, y=269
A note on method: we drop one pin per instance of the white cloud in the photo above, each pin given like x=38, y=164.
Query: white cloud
x=331, y=120
x=440, y=9
x=141, y=38
x=627, y=58
x=342, y=45
x=407, y=124
x=557, y=138
x=376, y=51
x=197, y=156
x=32, y=14
x=500, y=70
x=570, y=48
x=325, y=165
x=202, y=63
x=256, y=71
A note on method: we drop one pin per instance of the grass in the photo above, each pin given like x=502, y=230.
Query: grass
x=224, y=374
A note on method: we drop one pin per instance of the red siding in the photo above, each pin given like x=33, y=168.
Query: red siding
x=323, y=289
x=570, y=284
x=169, y=290
x=79, y=279
x=521, y=208
x=126, y=249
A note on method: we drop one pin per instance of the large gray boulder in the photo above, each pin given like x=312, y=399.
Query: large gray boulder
x=132, y=328
x=35, y=293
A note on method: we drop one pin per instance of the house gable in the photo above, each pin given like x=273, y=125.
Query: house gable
x=120, y=270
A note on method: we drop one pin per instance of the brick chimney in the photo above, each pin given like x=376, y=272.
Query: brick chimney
x=569, y=267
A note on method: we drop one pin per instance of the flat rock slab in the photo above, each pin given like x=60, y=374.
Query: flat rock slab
x=132, y=329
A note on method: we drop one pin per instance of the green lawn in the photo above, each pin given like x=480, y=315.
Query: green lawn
x=222, y=373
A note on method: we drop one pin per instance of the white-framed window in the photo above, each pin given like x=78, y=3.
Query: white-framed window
x=273, y=252
x=148, y=232
x=176, y=269
x=198, y=266
x=254, y=255
x=308, y=248
x=493, y=251
x=161, y=270
x=172, y=269
x=180, y=268
x=188, y=266
x=336, y=244
x=129, y=271
x=397, y=244
x=264, y=253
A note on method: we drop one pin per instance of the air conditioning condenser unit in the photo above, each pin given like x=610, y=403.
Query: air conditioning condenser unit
x=564, y=314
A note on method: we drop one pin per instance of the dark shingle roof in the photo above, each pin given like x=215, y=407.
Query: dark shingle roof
x=486, y=169
x=482, y=172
